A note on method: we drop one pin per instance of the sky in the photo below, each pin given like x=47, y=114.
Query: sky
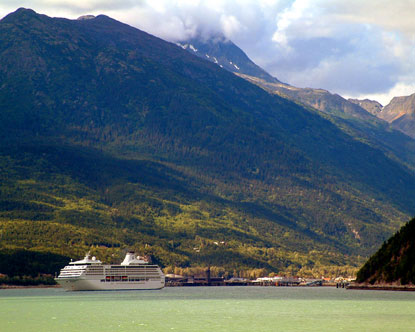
x=356, y=48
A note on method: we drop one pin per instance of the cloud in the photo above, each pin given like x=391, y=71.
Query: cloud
x=392, y=15
x=356, y=62
x=351, y=47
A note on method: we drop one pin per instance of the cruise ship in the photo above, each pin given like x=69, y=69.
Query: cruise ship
x=90, y=274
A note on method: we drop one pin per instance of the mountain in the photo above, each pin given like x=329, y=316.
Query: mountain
x=112, y=138
x=394, y=261
x=319, y=99
x=400, y=112
x=225, y=54
x=372, y=106
x=359, y=118
x=399, y=107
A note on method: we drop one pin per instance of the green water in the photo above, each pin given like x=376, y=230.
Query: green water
x=207, y=309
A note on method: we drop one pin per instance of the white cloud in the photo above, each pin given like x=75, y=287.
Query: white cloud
x=350, y=47
x=230, y=25
x=395, y=15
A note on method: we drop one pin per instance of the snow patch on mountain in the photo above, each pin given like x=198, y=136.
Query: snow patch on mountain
x=187, y=46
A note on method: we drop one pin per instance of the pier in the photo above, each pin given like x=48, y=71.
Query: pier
x=173, y=280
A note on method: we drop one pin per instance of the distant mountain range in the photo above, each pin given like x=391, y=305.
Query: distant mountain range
x=399, y=112
x=112, y=138
x=226, y=54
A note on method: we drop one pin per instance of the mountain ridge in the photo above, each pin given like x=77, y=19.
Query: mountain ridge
x=400, y=113
x=372, y=106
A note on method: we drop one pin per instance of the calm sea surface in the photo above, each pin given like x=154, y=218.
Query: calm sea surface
x=207, y=309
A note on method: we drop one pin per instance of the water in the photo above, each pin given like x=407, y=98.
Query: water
x=207, y=309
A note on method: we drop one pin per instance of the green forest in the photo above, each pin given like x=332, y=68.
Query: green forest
x=178, y=225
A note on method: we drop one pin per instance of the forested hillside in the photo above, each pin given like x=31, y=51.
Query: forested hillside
x=394, y=261
x=113, y=139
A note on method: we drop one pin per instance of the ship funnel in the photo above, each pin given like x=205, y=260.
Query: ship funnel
x=131, y=259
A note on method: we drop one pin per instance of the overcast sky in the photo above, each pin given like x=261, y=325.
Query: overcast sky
x=357, y=48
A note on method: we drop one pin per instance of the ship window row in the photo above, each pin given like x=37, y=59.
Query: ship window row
x=71, y=272
x=128, y=267
x=66, y=275
x=130, y=271
x=132, y=266
x=137, y=276
x=126, y=279
x=120, y=273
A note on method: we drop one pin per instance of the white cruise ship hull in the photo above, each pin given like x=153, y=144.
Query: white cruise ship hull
x=82, y=284
x=90, y=274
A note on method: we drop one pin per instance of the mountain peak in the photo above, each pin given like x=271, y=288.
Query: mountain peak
x=223, y=52
x=372, y=106
x=19, y=14
x=400, y=112
x=24, y=11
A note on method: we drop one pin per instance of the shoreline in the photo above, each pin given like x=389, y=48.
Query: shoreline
x=400, y=288
x=28, y=286
x=385, y=287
